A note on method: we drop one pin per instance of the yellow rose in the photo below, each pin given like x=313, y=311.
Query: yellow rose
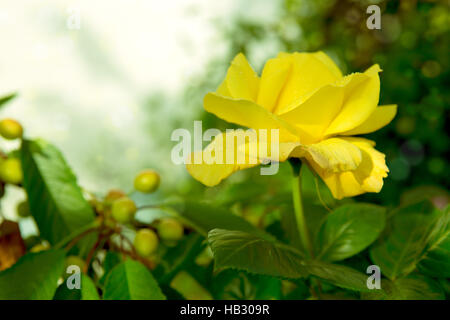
x=315, y=108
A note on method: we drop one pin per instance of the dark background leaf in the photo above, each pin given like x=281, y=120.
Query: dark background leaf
x=348, y=230
x=414, y=287
x=407, y=241
x=248, y=252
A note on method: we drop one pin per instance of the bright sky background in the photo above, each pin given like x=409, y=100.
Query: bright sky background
x=82, y=89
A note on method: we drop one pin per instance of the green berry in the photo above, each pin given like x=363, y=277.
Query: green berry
x=170, y=229
x=70, y=261
x=114, y=194
x=145, y=242
x=205, y=257
x=10, y=129
x=74, y=260
x=11, y=171
x=123, y=210
x=40, y=247
x=98, y=206
x=23, y=209
x=107, y=222
x=147, y=181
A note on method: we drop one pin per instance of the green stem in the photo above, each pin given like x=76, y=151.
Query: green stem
x=298, y=208
x=74, y=237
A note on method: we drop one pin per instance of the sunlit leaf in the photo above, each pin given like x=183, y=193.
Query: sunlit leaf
x=111, y=260
x=189, y=287
x=56, y=201
x=33, y=277
x=249, y=252
x=131, y=280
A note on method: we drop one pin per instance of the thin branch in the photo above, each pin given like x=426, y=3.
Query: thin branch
x=134, y=255
x=74, y=241
x=101, y=237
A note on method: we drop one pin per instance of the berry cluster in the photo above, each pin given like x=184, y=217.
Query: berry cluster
x=115, y=211
x=10, y=168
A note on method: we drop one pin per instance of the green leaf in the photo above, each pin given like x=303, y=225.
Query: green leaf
x=397, y=254
x=111, y=260
x=171, y=293
x=232, y=284
x=422, y=192
x=130, y=280
x=315, y=215
x=289, y=226
x=204, y=217
x=33, y=277
x=7, y=98
x=179, y=257
x=266, y=288
x=445, y=284
x=88, y=291
x=348, y=230
x=421, y=206
x=338, y=275
x=414, y=287
x=56, y=200
x=435, y=259
x=251, y=253
x=64, y=293
x=412, y=236
x=227, y=284
x=246, y=191
x=298, y=290
x=360, y=262
x=185, y=284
